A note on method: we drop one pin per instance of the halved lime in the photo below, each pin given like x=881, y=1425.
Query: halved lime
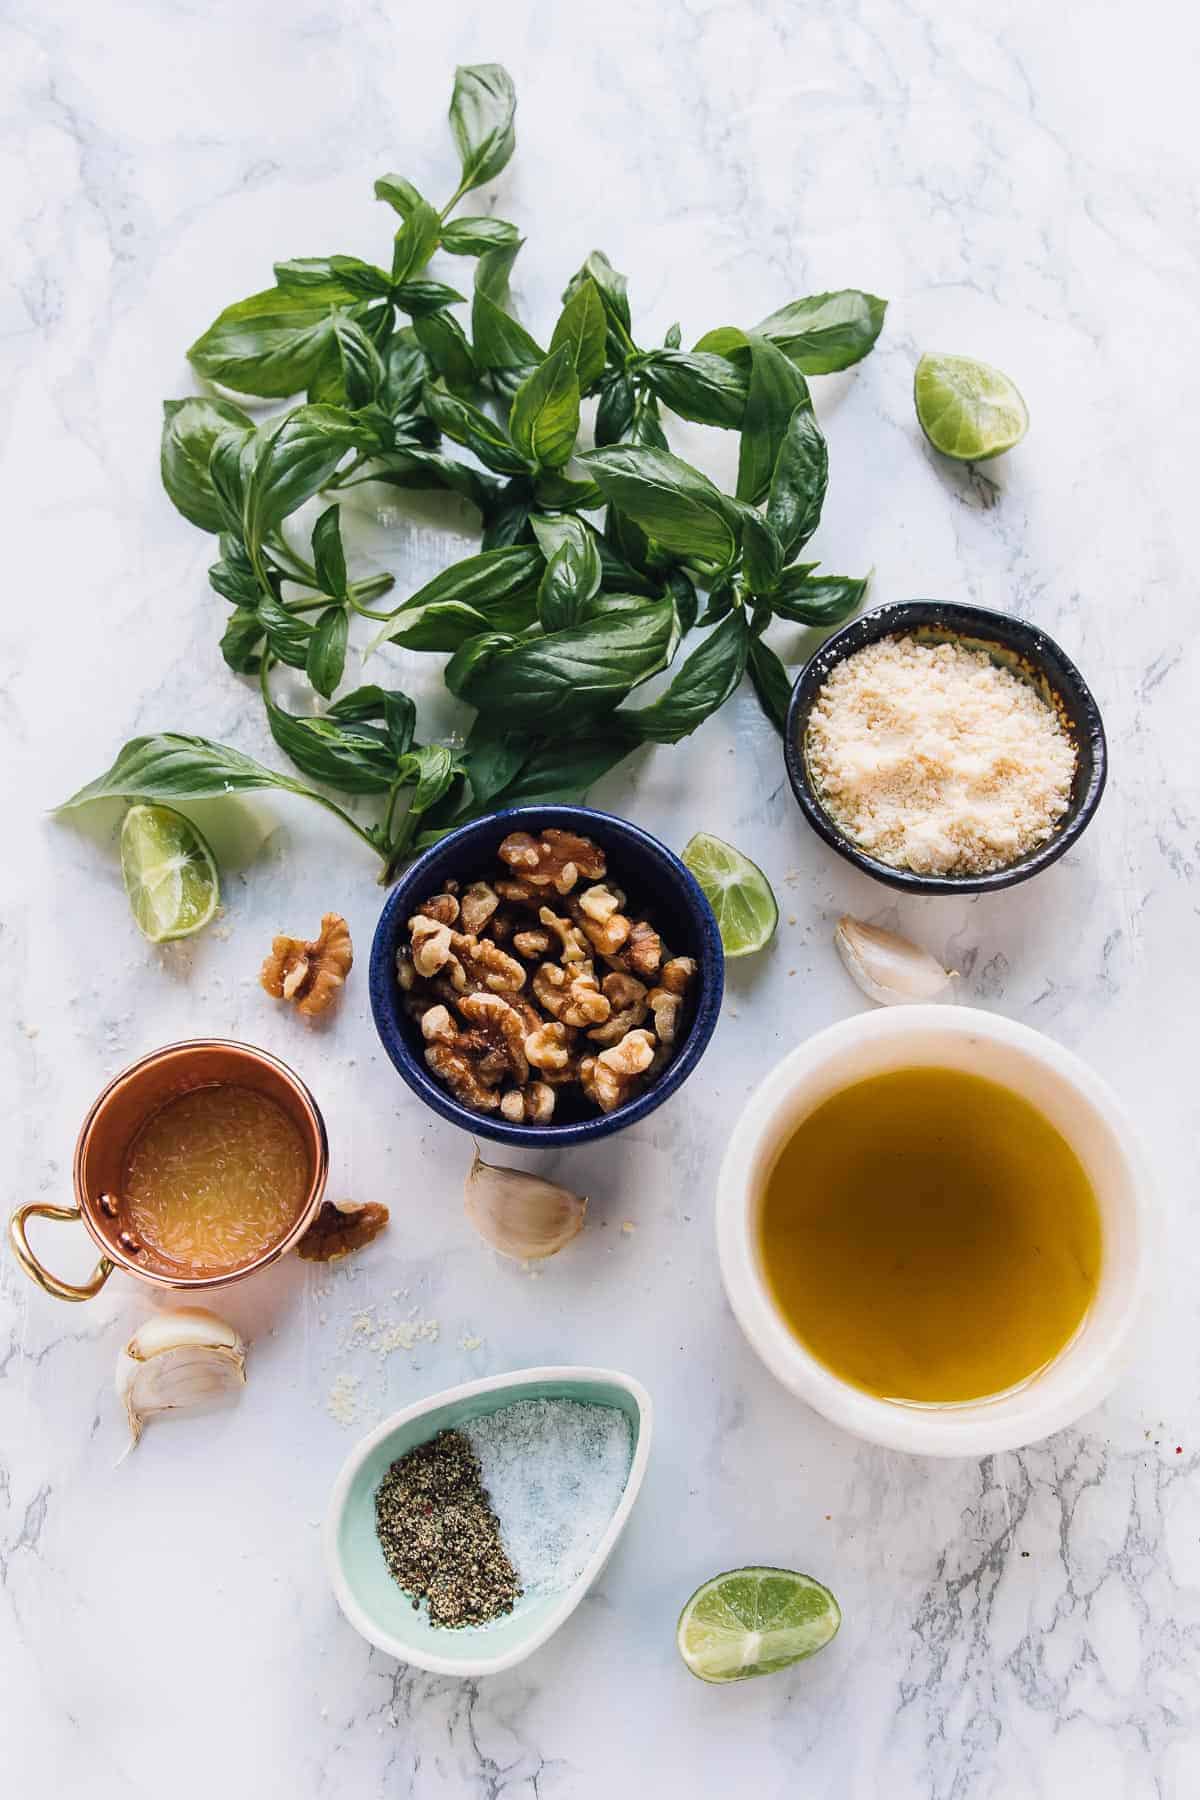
x=967, y=409
x=754, y=1621
x=738, y=892
x=170, y=873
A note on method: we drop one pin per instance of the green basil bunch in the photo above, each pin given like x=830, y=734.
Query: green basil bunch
x=553, y=626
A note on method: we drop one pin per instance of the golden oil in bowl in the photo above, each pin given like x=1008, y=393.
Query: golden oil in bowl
x=930, y=1237
x=214, y=1179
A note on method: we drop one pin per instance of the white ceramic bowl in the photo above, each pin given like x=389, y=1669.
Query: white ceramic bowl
x=366, y=1592
x=1067, y=1093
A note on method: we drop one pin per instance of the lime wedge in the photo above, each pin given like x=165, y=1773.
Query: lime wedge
x=967, y=409
x=738, y=892
x=170, y=873
x=754, y=1621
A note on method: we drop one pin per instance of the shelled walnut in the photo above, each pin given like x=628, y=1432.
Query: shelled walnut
x=310, y=973
x=537, y=987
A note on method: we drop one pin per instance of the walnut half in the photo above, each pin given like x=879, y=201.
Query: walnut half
x=310, y=974
x=341, y=1226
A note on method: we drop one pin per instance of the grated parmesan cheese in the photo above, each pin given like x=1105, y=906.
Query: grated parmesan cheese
x=931, y=757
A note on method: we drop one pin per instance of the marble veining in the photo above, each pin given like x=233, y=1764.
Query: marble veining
x=1021, y=182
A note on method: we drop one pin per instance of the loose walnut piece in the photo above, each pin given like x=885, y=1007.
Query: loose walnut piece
x=442, y=907
x=643, y=951
x=573, y=999
x=666, y=1008
x=677, y=974
x=632, y=1056
x=627, y=997
x=557, y=859
x=495, y=1038
x=341, y=1226
x=574, y=944
x=533, y=944
x=478, y=904
x=430, y=945
x=532, y=1104
x=549, y=1047
x=478, y=963
x=311, y=975
x=604, y=926
x=458, y=1073
x=437, y=1026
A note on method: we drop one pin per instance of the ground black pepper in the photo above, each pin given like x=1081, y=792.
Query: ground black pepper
x=440, y=1537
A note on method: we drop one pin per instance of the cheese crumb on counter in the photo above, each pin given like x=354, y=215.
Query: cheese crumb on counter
x=932, y=757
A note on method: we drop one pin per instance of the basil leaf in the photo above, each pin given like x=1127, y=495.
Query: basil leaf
x=720, y=603
x=389, y=704
x=581, y=327
x=762, y=552
x=497, y=588
x=724, y=340
x=614, y=413
x=673, y=337
x=559, y=493
x=475, y=237
x=614, y=295
x=825, y=332
x=269, y=344
x=362, y=367
x=415, y=242
x=399, y=193
x=468, y=663
x=500, y=341
x=329, y=556
x=668, y=498
x=242, y=640
x=550, y=683
x=190, y=429
x=326, y=657
x=467, y=425
x=288, y=634
x=481, y=119
x=616, y=576
x=404, y=370
x=493, y=758
x=682, y=590
x=170, y=766
x=564, y=771
x=356, y=759
x=771, y=682
x=544, y=420
x=775, y=389
x=797, y=490
x=646, y=427
x=420, y=298
x=297, y=455
x=820, y=599
x=703, y=684
x=572, y=576
x=357, y=279
x=233, y=577
x=506, y=524
x=230, y=466
x=426, y=469
x=698, y=386
x=445, y=344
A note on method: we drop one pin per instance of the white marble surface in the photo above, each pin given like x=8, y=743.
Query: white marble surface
x=1021, y=181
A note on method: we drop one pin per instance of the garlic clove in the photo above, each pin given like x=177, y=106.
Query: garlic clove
x=521, y=1215
x=178, y=1359
x=887, y=967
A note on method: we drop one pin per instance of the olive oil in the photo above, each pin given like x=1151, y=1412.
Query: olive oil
x=930, y=1236
x=214, y=1179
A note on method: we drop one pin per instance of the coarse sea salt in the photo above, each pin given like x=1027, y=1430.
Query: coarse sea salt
x=554, y=1471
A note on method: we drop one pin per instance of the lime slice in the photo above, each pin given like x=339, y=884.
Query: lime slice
x=738, y=892
x=967, y=409
x=170, y=873
x=753, y=1621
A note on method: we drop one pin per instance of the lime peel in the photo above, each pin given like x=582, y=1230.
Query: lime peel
x=170, y=873
x=967, y=409
x=753, y=1621
x=738, y=892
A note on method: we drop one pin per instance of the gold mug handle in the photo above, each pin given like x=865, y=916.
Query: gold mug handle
x=53, y=1284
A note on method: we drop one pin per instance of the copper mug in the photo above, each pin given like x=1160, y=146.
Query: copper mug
x=115, y=1120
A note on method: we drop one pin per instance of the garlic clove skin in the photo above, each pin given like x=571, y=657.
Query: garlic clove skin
x=178, y=1359
x=887, y=967
x=521, y=1215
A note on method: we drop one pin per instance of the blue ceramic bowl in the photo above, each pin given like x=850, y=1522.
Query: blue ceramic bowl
x=651, y=875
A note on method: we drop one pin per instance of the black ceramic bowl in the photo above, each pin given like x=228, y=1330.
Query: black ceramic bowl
x=1022, y=648
x=653, y=878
